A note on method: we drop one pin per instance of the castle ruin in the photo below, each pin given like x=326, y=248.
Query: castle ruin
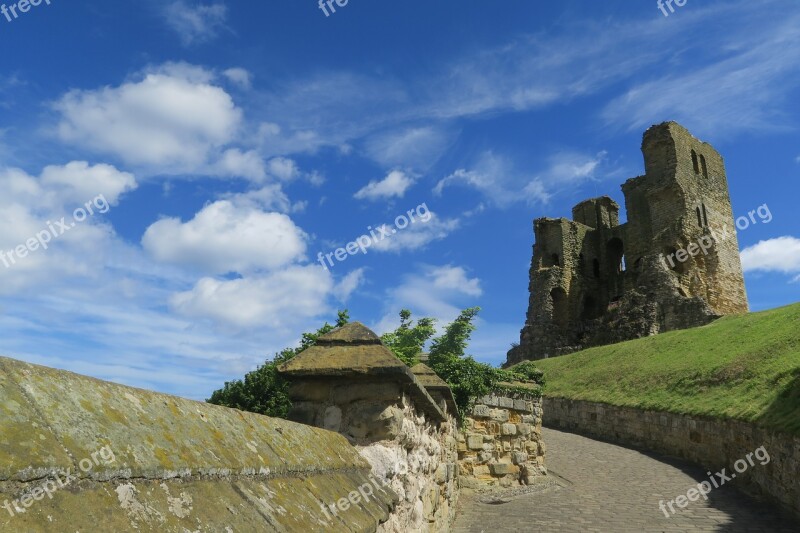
x=674, y=264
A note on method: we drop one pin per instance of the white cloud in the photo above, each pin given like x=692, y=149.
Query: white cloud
x=224, y=238
x=173, y=119
x=81, y=182
x=781, y=254
x=753, y=68
x=349, y=284
x=497, y=178
x=239, y=76
x=395, y=184
x=416, y=148
x=237, y=164
x=417, y=235
x=283, y=168
x=195, y=23
x=437, y=291
x=275, y=299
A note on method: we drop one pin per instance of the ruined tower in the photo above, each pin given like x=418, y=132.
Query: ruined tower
x=674, y=264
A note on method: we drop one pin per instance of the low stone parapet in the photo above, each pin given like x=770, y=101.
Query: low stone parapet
x=709, y=442
x=501, y=444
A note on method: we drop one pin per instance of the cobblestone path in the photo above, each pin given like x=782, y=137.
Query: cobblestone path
x=608, y=488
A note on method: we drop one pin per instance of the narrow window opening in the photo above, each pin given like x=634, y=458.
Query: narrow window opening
x=703, y=164
x=694, y=163
x=705, y=215
x=699, y=218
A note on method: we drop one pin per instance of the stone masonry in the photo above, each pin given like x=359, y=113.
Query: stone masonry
x=402, y=421
x=595, y=281
x=501, y=445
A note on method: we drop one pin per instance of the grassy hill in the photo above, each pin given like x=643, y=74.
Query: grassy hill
x=745, y=367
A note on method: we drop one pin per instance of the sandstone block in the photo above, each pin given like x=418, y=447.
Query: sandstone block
x=503, y=469
x=509, y=429
x=480, y=411
x=475, y=442
x=524, y=429
x=499, y=415
x=506, y=403
x=522, y=405
x=518, y=458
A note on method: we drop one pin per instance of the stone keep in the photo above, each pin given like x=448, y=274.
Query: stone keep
x=595, y=281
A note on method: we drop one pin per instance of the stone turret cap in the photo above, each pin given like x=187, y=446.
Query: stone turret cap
x=348, y=350
x=354, y=333
x=434, y=384
x=355, y=352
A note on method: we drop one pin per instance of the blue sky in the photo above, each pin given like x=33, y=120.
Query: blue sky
x=235, y=141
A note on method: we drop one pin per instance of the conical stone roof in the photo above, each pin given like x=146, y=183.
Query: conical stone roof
x=350, y=349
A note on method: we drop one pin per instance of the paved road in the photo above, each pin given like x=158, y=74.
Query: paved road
x=616, y=489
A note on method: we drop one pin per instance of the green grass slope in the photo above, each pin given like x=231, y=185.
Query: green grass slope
x=744, y=367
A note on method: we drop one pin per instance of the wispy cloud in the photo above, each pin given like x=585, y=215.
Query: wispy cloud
x=195, y=22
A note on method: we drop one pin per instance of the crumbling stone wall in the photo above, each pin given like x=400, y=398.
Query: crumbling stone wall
x=352, y=384
x=595, y=281
x=501, y=445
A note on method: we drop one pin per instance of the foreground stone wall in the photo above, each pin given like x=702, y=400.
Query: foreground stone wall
x=409, y=450
x=79, y=454
x=502, y=442
x=711, y=443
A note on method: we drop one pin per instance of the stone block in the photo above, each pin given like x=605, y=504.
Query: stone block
x=480, y=470
x=509, y=429
x=480, y=411
x=475, y=442
x=441, y=474
x=528, y=419
x=499, y=415
x=519, y=458
x=503, y=469
x=521, y=405
x=524, y=429
x=485, y=457
x=506, y=403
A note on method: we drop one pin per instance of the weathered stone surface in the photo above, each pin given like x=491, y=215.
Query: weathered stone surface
x=480, y=411
x=595, y=281
x=475, y=442
x=502, y=469
x=498, y=415
x=175, y=464
x=509, y=429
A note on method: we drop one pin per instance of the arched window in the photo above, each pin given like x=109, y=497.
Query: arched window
x=694, y=163
x=616, y=256
x=703, y=164
x=554, y=260
x=699, y=218
x=558, y=298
